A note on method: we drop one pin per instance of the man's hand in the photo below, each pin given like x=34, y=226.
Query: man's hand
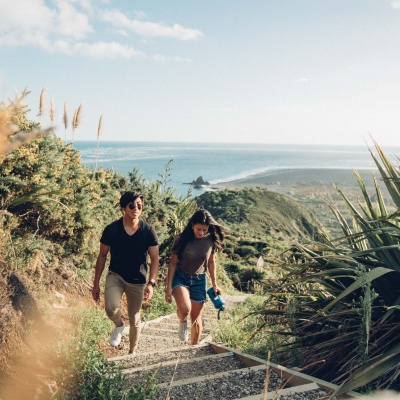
x=148, y=293
x=96, y=292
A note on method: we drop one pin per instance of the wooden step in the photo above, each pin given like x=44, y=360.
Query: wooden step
x=176, y=370
x=144, y=359
x=233, y=384
x=212, y=370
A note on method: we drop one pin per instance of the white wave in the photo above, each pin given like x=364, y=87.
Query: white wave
x=271, y=170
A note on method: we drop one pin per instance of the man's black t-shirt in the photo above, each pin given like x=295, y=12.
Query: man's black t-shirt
x=128, y=253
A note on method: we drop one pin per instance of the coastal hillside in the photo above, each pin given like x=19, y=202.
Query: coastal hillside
x=262, y=227
x=259, y=212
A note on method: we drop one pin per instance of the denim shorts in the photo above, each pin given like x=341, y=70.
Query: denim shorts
x=195, y=283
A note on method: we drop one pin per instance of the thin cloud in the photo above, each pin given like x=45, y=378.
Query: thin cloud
x=161, y=58
x=70, y=22
x=106, y=50
x=2, y=78
x=38, y=22
x=98, y=50
x=65, y=28
x=395, y=5
x=150, y=29
x=226, y=110
x=140, y=15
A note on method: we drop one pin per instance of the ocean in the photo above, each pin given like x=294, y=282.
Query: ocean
x=219, y=162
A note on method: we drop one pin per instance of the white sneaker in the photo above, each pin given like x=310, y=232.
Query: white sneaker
x=183, y=331
x=116, y=335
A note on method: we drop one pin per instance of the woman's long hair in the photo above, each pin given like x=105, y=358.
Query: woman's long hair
x=201, y=217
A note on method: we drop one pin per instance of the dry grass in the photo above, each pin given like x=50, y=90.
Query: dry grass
x=35, y=314
x=65, y=121
x=76, y=120
x=7, y=130
x=10, y=136
x=98, y=137
x=42, y=102
x=10, y=322
x=52, y=111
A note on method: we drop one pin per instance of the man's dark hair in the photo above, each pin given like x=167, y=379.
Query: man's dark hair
x=129, y=197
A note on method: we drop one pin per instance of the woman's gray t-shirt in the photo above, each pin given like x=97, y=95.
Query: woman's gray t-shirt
x=195, y=256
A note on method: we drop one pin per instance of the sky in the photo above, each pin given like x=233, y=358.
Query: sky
x=254, y=71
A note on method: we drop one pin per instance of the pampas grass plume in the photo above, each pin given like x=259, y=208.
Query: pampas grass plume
x=76, y=120
x=42, y=102
x=100, y=126
x=52, y=111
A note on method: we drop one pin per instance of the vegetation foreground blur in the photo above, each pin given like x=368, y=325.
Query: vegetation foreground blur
x=327, y=305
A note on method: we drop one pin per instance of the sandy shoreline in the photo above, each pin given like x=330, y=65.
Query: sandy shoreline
x=283, y=180
x=313, y=188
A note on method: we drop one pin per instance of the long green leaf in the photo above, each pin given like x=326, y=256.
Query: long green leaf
x=371, y=370
x=391, y=310
x=371, y=275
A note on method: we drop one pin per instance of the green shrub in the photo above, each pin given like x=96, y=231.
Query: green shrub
x=243, y=330
x=247, y=251
x=157, y=306
x=83, y=371
x=232, y=267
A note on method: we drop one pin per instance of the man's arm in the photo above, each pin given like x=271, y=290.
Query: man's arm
x=99, y=268
x=154, y=264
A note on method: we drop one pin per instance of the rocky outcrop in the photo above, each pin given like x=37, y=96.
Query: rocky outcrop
x=198, y=183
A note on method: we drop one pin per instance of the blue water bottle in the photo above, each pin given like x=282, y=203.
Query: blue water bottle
x=217, y=300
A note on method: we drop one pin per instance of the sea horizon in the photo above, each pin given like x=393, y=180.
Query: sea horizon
x=219, y=162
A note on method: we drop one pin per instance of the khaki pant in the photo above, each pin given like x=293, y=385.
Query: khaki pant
x=115, y=288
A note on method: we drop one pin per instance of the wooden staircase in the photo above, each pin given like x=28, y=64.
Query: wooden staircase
x=212, y=370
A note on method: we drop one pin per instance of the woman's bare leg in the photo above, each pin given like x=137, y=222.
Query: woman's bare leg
x=197, y=322
x=183, y=303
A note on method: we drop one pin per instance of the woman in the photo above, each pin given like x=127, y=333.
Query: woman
x=193, y=253
x=129, y=240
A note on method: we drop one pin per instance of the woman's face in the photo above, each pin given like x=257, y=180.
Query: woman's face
x=200, y=230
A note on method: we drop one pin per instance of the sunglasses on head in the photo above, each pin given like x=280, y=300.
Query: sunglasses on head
x=132, y=206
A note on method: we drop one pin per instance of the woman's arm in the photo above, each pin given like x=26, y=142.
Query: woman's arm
x=212, y=268
x=99, y=268
x=171, y=272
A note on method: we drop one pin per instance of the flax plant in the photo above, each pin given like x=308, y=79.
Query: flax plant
x=349, y=314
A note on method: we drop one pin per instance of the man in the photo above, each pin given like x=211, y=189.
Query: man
x=129, y=240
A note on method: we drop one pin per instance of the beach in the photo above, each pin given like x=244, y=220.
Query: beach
x=290, y=181
x=314, y=189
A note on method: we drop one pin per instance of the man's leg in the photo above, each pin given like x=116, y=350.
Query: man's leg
x=112, y=296
x=134, y=296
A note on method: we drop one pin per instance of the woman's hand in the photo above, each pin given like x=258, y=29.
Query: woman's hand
x=168, y=295
x=217, y=289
